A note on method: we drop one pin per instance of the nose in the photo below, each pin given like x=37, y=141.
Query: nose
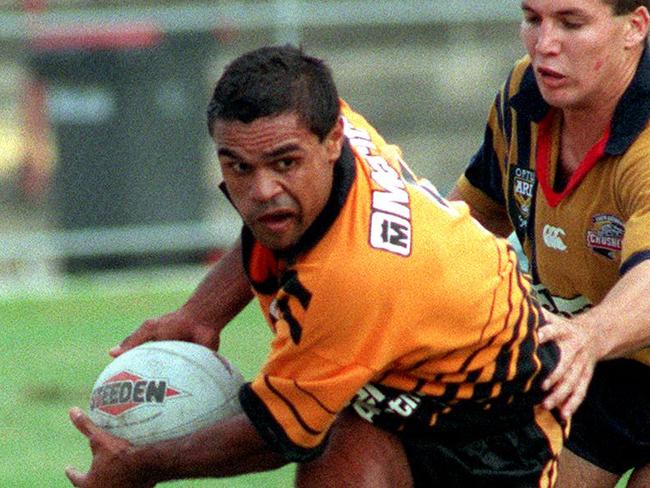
x=265, y=186
x=548, y=41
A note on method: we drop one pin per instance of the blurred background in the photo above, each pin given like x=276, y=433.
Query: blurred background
x=105, y=161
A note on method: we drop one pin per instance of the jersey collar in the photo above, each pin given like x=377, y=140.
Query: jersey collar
x=630, y=116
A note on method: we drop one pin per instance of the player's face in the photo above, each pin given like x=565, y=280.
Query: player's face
x=278, y=174
x=579, y=50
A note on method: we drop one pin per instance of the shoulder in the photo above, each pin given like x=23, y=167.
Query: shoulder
x=635, y=157
x=632, y=168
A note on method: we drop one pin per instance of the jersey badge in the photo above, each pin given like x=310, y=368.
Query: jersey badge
x=523, y=185
x=554, y=238
x=605, y=237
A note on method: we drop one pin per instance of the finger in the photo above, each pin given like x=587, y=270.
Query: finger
x=561, y=370
x=76, y=478
x=138, y=337
x=571, y=405
x=550, y=331
x=82, y=422
x=574, y=401
x=563, y=389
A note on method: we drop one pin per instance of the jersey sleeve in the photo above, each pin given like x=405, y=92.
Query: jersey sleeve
x=634, y=196
x=482, y=182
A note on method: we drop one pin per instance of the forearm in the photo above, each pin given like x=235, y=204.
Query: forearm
x=228, y=448
x=224, y=291
x=621, y=322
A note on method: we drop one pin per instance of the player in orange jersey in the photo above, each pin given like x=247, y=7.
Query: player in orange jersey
x=566, y=165
x=405, y=348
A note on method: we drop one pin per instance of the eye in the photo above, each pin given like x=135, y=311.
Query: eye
x=571, y=24
x=239, y=167
x=531, y=19
x=285, y=164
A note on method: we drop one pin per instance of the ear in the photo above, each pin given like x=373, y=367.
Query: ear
x=334, y=141
x=637, y=28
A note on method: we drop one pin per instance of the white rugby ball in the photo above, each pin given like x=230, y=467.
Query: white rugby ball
x=164, y=389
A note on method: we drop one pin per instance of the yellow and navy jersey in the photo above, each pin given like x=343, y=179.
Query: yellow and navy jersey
x=392, y=287
x=582, y=238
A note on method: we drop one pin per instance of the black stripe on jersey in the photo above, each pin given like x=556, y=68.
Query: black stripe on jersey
x=419, y=385
x=272, y=432
x=484, y=170
x=504, y=116
x=294, y=410
x=316, y=399
x=528, y=99
x=504, y=357
x=450, y=393
x=633, y=110
x=295, y=329
x=530, y=233
x=633, y=260
x=292, y=286
x=526, y=366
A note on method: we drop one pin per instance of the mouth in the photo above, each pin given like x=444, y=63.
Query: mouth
x=277, y=220
x=550, y=76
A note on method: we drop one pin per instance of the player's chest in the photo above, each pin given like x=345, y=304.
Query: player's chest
x=575, y=245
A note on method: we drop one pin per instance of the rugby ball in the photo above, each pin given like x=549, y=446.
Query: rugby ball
x=163, y=390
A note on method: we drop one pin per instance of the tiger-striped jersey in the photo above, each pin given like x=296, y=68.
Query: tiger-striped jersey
x=579, y=240
x=396, y=290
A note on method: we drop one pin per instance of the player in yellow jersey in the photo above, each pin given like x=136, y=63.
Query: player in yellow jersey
x=566, y=165
x=405, y=348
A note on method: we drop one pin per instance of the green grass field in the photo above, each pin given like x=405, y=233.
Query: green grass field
x=54, y=346
x=52, y=350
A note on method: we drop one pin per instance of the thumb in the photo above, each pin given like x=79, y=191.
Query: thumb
x=82, y=422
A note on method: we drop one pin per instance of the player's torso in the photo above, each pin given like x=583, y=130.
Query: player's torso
x=421, y=289
x=576, y=245
x=579, y=234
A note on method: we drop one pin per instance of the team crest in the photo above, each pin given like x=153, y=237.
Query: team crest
x=523, y=182
x=605, y=237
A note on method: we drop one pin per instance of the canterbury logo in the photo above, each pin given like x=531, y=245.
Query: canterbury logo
x=553, y=238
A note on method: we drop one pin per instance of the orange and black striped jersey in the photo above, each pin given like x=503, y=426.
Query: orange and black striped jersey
x=581, y=238
x=392, y=290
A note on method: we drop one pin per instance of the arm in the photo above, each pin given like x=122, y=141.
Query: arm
x=227, y=448
x=496, y=223
x=617, y=326
x=222, y=294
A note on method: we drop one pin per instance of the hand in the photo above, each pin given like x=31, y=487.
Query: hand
x=113, y=465
x=578, y=356
x=178, y=325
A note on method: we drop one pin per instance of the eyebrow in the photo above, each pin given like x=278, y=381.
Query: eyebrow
x=562, y=13
x=279, y=151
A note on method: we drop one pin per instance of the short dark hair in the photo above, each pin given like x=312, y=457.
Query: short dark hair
x=622, y=7
x=272, y=81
